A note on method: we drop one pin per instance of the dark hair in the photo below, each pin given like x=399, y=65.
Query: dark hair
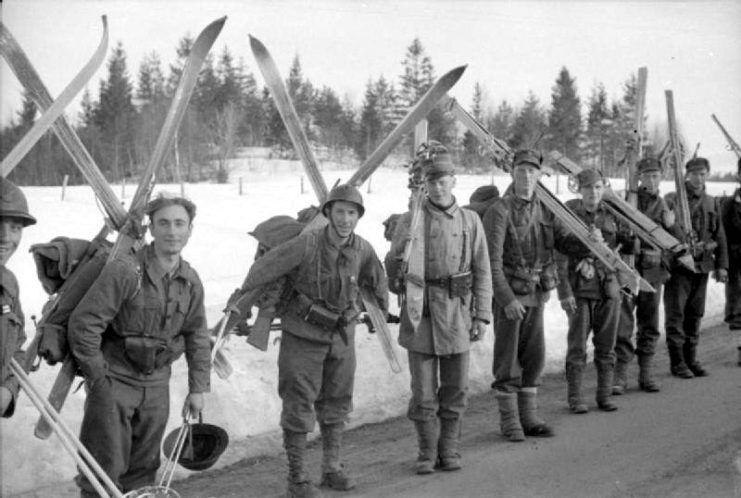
x=164, y=200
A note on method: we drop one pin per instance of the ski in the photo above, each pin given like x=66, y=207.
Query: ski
x=51, y=114
x=31, y=82
x=651, y=232
x=635, y=145
x=682, y=208
x=421, y=109
x=731, y=142
x=130, y=231
x=380, y=327
x=289, y=116
x=609, y=257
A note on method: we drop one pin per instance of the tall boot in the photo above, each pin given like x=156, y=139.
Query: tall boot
x=620, y=379
x=678, y=366
x=509, y=419
x=299, y=484
x=645, y=376
x=447, y=447
x=532, y=424
x=690, y=357
x=427, y=436
x=574, y=377
x=604, y=388
x=333, y=475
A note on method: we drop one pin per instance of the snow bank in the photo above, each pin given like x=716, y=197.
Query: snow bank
x=246, y=404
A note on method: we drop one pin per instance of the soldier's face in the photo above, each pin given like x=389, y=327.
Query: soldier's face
x=592, y=194
x=10, y=236
x=170, y=229
x=650, y=180
x=440, y=190
x=344, y=217
x=524, y=179
x=696, y=178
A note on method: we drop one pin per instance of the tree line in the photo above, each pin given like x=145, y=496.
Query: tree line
x=120, y=124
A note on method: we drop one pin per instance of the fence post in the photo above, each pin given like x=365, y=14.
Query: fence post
x=64, y=185
x=240, y=185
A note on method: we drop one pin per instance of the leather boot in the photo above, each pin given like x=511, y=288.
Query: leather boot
x=299, y=485
x=509, y=419
x=532, y=424
x=690, y=357
x=604, y=388
x=678, y=366
x=427, y=440
x=333, y=475
x=447, y=447
x=645, y=375
x=620, y=380
x=576, y=401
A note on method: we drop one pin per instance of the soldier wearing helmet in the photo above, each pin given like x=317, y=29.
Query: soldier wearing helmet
x=455, y=313
x=685, y=291
x=642, y=310
x=323, y=270
x=14, y=216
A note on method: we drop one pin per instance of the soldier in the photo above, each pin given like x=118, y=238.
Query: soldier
x=521, y=237
x=324, y=271
x=731, y=216
x=457, y=308
x=645, y=305
x=140, y=315
x=684, y=294
x=14, y=217
x=590, y=295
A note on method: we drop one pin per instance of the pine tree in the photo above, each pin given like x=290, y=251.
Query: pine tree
x=598, y=120
x=530, y=124
x=502, y=123
x=471, y=159
x=564, y=119
x=371, y=123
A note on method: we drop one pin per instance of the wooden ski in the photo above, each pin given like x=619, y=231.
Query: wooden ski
x=131, y=230
x=609, y=257
x=289, y=116
x=380, y=327
x=731, y=142
x=682, y=208
x=635, y=148
x=31, y=82
x=51, y=114
x=421, y=109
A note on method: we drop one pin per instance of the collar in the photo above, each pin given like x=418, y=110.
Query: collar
x=448, y=211
x=349, y=243
x=694, y=192
x=153, y=267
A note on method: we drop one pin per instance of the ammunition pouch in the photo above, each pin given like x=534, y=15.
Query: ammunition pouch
x=649, y=258
x=53, y=345
x=322, y=317
x=524, y=281
x=610, y=286
x=458, y=285
x=142, y=352
x=549, y=277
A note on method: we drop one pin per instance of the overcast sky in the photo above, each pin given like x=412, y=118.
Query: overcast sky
x=693, y=48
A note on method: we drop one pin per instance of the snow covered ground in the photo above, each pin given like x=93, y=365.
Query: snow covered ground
x=246, y=404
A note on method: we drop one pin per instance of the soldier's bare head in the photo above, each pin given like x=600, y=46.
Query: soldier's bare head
x=164, y=200
x=171, y=224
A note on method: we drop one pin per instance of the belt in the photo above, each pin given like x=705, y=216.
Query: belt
x=439, y=282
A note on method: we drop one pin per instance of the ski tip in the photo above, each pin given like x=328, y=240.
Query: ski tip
x=216, y=26
x=257, y=45
x=104, y=20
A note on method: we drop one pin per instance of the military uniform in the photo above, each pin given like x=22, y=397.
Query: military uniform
x=438, y=350
x=482, y=198
x=684, y=293
x=643, y=309
x=597, y=294
x=133, y=322
x=731, y=216
x=12, y=333
x=316, y=361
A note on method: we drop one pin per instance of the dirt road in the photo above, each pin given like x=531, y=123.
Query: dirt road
x=681, y=442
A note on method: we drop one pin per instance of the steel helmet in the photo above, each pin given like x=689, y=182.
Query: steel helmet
x=203, y=446
x=13, y=203
x=347, y=193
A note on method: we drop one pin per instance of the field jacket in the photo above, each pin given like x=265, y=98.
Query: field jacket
x=712, y=251
x=454, y=243
x=133, y=312
x=12, y=333
x=730, y=208
x=319, y=273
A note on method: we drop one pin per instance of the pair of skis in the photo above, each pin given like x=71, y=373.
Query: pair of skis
x=732, y=144
x=499, y=149
x=127, y=223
